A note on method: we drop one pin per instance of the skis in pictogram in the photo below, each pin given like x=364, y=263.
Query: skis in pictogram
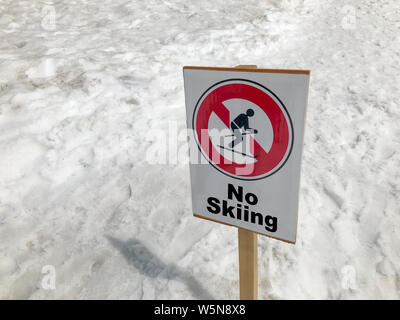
x=242, y=153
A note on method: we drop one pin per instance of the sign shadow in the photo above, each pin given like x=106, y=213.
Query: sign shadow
x=148, y=264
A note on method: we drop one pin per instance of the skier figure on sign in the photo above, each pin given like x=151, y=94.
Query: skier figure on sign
x=241, y=121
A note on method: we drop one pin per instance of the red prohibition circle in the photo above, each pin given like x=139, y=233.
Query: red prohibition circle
x=212, y=101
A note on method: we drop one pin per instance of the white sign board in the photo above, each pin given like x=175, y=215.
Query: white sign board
x=245, y=142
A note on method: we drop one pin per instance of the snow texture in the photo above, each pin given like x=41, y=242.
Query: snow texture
x=78, y=92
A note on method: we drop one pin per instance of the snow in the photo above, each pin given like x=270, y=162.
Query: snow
x=78, y=93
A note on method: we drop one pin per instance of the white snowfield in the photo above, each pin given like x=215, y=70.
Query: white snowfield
x=83, y=214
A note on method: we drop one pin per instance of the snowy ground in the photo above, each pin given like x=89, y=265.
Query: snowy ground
x=76, y=99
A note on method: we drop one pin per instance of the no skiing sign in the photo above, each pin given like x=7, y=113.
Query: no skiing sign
x=247, y=135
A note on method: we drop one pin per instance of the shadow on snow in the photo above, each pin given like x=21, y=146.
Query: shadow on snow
x=137, y=254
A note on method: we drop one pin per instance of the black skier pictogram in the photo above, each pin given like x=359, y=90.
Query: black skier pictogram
x=241, y=121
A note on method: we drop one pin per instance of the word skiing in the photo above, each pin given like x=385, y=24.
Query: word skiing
x=241, y=211
x=246, y=128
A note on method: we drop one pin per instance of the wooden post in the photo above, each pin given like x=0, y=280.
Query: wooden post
x=248, y=271
x=248, y=254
